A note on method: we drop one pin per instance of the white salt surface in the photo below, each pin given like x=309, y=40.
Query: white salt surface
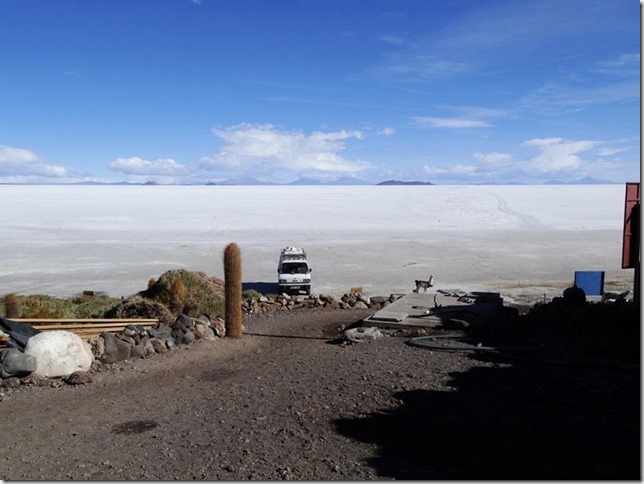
x=517, y=240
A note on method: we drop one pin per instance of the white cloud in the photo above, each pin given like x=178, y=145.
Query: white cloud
x=23, y=162
x=455, y=123
x=550, y=158
x=557, y=154
x=391, y=39
x=386, y=131
x=251, y=147
x=625, y=65
x=493, y=158
x=451, y=170
x=414, y=67
x=554, y=98
x=139, y=166
x=9, y=154
x=609, y=151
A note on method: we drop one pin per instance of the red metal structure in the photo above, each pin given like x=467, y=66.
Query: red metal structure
x=631, y=239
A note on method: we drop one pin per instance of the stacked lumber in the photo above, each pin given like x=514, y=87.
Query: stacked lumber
x=85, y=328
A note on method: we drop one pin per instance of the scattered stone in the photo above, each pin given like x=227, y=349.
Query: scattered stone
x=203, y=331
x=97, y=344
x=158, y=345
x=11, y=382
x=138, y=352
x=129, y=340
x=79, y=378
x=164, y=333
x=332, y=305
x=360, y=334
x=115, y=349
x=360, y=305
x=219, y=327
x=146, y=343
x=35, y=380
x=188, y=337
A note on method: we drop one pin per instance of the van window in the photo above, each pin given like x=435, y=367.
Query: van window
x=294, y=268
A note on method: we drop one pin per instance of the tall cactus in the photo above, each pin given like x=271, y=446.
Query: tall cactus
x=233, y=290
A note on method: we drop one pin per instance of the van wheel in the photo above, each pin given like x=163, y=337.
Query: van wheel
x=307, y=291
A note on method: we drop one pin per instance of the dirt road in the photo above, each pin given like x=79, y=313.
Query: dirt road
x=284, y=403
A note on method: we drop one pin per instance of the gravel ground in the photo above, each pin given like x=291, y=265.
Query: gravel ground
x=283, y=402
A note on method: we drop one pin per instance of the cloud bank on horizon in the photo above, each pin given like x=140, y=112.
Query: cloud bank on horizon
x=188, y=91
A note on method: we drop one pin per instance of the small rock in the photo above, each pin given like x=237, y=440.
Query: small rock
x=35, y=380
x=158, y=345
x=11, y=382
x=138, y=351
x=188, y=337
x=79, y=378
x=333, y=305
x=115, y=348
x=360, y=334
x=219, y=327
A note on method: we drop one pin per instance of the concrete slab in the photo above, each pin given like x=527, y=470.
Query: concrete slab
x=443, y=308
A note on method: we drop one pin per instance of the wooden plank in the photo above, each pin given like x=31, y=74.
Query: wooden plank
x=67, y=327
x=86, y=320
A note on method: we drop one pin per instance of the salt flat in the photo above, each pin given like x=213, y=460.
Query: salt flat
x=61, y=240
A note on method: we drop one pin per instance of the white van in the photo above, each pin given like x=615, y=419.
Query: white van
x=293, y=271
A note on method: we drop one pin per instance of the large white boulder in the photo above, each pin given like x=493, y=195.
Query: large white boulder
x=59, y=353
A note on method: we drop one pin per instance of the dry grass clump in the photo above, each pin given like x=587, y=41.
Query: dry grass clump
x=140, y=307
x=190, y=293
x=49, y=307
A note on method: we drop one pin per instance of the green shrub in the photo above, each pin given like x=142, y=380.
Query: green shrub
x=251, y=294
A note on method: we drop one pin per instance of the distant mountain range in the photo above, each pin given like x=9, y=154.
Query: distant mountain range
x=581, y=181
x=398, y=182
x=344, y=181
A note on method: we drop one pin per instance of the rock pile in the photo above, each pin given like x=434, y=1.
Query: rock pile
x=137, y=342
x=284, y=302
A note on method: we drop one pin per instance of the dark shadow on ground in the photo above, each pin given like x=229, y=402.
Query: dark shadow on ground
x=261, y=287
x=531, y=420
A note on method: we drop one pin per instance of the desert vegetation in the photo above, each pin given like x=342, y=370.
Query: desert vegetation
x=175, y=292
x=43, y=306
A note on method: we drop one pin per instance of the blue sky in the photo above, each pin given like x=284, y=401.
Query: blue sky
x=190, y=91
